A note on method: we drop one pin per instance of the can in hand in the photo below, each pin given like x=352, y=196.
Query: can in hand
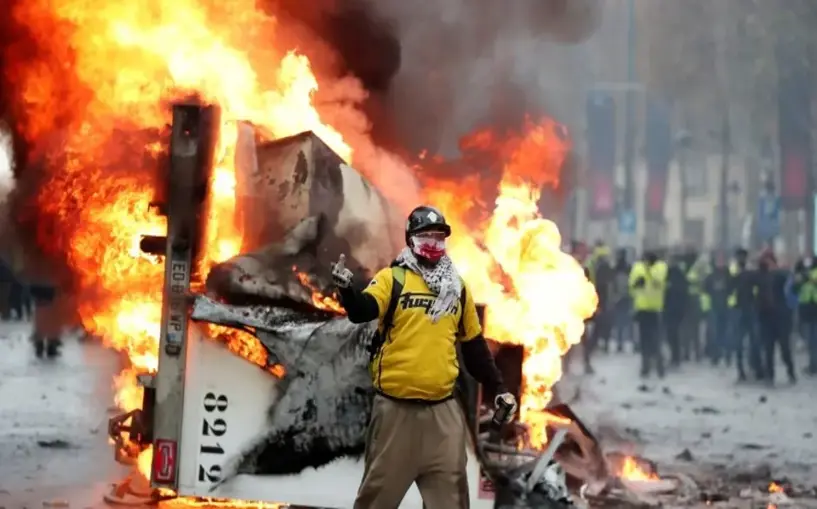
x=502, y=414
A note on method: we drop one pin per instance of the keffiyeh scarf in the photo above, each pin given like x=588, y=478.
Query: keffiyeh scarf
x=442, y=279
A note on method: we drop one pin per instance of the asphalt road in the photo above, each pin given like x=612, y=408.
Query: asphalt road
x=53, y=417
x=699, y=420
x=53, y=421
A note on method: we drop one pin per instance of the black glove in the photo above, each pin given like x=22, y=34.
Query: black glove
x=639, y=282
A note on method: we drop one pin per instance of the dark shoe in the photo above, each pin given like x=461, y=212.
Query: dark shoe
x=53, y=348
x=39, y=348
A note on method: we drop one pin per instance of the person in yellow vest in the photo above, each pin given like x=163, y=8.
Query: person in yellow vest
x=805, y=286
x=417, y=432
x=648, y=282
x=696, y=315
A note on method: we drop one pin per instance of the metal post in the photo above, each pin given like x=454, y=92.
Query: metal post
x=723, y=200
x=194, y=135
x=682, y=198
x=629, y=107
x=720, y=22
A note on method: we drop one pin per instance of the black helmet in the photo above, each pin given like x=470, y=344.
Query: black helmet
x=425, y=218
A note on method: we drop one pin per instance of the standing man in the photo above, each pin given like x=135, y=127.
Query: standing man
x=744, y=318
x=805, y=286
x=697, y=307
x=601, y=275
x=648, y=281
x=771, y=312
x=675, y=302
x=417, y=432
x=716, y=288
x=622, y=303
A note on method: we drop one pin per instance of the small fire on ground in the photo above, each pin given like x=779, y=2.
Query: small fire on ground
x=632, y=471
x=777, y=495
x=536, y=295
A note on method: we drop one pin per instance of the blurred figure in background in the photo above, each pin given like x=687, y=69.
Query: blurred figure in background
x=789, y=301
x=600, y=272
x=6, y=283
x=623, y=312
x=647, y=285
x=804, y=278
x=743, y=321
x=717, y=286
x=697, y=308
x=579, y=251
x=771, y=311
x=675, y=302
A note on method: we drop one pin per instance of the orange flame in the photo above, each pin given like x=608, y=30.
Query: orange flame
x=632, y=471
x=100, y=125
x=127, y=62
x=536, y=295
x=319, y=300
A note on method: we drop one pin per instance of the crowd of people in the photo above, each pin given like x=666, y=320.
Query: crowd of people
x=737, y=308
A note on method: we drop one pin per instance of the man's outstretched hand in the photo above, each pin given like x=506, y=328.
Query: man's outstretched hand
x=342, y=276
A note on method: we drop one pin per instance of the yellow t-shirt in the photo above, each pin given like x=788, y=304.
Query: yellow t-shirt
x=418, y=359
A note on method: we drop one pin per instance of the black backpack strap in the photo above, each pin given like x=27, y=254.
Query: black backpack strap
x=461, y=326
x=398, y=281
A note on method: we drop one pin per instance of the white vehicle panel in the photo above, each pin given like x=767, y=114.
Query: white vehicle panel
x=226, y=402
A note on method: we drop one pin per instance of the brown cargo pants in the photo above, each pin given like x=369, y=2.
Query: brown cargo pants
x=413, y=442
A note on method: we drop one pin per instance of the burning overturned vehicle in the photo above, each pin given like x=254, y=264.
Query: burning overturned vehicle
x=259, y=340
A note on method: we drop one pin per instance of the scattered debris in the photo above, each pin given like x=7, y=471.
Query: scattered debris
x=753, y=447
x=709, y=498
x=706, y=410
x=685, y=455
x=761, y=472
x=55, y=443
x=56, y=503
x=762, y=399
x=132, y=491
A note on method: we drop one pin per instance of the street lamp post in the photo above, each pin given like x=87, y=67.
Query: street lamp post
x=720, y=21
x=682, y=145
x=629, y=107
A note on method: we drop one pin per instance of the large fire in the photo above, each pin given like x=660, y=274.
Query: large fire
x=128, y=60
